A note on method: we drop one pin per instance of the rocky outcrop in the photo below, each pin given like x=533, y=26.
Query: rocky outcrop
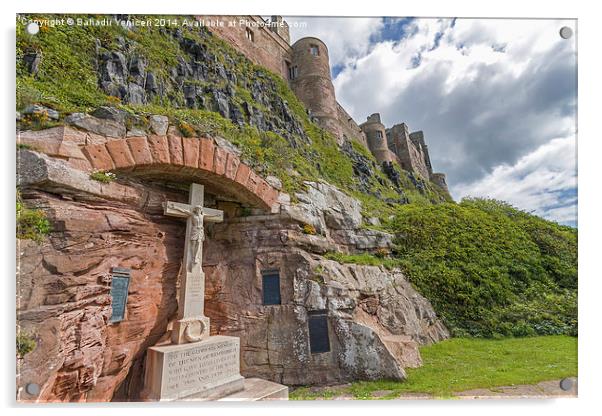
x=376, y=320
x=207, y=78
x=64, y=302
x=336, y=216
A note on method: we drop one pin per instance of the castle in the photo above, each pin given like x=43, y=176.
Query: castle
x=305, y=65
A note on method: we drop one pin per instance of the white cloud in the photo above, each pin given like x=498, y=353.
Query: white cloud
x=486, y=92
x=543, y=181
x=346, y=38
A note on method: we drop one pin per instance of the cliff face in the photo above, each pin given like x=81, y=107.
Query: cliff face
x=161, y=108
x=376, y=320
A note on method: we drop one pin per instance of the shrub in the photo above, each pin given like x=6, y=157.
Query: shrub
x=25, y=344
x=32, y=224
x=102, y=176
x=309, y=229
x=489, y=269
x=381, y=252
x=186, y=129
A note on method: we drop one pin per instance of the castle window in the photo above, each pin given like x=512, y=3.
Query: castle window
x=292, y=72
x=314, y=50
x=379, y=134
x=250, y=35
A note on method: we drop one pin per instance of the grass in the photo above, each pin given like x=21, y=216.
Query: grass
x=102, y=176
x=32, y=223
x=364, y=259
x=25, y=344
x=460, y=364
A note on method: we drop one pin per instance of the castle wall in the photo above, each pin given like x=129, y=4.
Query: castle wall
x=313, y=84
x=268, y=48
x=349, y=127
x=410, y=153
x=281, y=29
x=417, y=138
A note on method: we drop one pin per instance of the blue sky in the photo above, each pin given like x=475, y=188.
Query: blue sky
x=496, y=98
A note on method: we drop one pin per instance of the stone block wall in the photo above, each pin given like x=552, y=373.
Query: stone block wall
x=417, y=138
x=410, y=153
x=268, y=48
x=349, y=127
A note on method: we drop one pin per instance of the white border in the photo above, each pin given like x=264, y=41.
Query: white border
x=589, y=149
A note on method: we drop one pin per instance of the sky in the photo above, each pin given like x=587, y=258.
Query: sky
x=496, y=98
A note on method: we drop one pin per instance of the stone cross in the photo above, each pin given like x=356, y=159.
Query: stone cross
x=192, y=325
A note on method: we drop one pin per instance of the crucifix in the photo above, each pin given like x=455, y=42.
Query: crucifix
x=192, y=325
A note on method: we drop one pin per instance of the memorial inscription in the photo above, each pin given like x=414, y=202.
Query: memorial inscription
x=208, y=367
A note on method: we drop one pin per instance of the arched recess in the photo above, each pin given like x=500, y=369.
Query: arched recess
x=185, y=159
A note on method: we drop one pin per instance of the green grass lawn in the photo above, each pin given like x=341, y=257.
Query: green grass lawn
x=460, y=364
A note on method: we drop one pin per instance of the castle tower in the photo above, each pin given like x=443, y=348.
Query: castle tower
x=309, y=75
x=279, y=26
x=377, y=138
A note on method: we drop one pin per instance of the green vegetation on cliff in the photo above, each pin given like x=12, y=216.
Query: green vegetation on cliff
x=32, y=224
x=489, y=269
x=265, y=120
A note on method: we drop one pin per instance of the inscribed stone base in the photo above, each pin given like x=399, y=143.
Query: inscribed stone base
x=209, y=368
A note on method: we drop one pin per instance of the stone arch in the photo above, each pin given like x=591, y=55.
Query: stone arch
x=184, y=158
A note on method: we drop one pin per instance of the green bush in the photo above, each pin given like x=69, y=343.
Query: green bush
x=32, y=224
x=489, y=269
x=25, y=344
x=102, y=176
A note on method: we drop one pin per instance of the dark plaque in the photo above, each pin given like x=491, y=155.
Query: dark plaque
x=271, y=288
x=119, y=292
x=318, y=332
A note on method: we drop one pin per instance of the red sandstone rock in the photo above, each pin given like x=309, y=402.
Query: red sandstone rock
x=159, y=149
x=140, y=150
x=120, y=153
x=252, y=182
x=176, y=154
x=219, y=161
x=98, y=156
x=206, y=154
x=232, y=166
x=191, y=151
x=242, y=175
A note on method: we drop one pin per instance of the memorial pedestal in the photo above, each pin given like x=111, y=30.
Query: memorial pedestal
x=210, y=368
x=196, y=366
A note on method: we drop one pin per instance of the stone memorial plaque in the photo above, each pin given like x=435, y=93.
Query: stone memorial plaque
x=209, y=367
x=318, y=332
x=271, y=288
x=119, y=293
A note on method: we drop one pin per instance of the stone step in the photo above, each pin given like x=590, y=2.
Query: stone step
x=257, y=389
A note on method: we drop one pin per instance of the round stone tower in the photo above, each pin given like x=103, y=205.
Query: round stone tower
x=309, y=74
x=377, y=138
